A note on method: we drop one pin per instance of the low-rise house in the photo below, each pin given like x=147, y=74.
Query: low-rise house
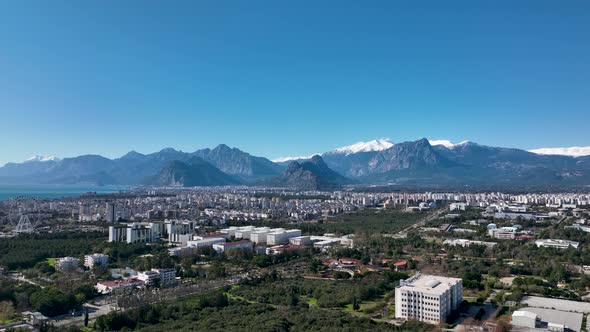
x=109, y=286
x=401, y=265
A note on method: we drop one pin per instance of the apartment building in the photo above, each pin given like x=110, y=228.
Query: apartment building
x=90, y=261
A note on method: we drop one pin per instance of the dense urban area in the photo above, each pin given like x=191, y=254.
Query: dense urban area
x=270, y=259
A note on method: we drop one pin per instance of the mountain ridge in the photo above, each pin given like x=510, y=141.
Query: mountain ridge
x=422, y=161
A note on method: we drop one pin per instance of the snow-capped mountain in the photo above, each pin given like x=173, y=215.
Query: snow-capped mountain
x=574, y=151
x=446, y=143
x=285, y=159
x=374, y=145
x=42, y=158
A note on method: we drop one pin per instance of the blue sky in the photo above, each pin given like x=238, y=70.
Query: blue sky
x=279, y=78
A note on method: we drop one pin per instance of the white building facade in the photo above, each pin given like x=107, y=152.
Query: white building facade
x=90, y=261
x=428, y=298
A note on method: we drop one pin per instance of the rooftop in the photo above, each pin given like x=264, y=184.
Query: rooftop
x=429, y=283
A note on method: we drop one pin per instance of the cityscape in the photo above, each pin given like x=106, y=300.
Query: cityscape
x=334, y=166
x=470, y=260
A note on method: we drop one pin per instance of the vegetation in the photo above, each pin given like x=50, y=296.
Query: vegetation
x=216, y=312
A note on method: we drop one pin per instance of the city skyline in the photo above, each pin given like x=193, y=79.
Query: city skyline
x=280, y=80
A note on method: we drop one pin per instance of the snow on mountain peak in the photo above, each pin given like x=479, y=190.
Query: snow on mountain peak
x=283, y=159
x=574, y=151
x=446, y=143
x=374, y=145
x=42, y=158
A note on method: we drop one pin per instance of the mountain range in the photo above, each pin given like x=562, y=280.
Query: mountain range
x=420, y=162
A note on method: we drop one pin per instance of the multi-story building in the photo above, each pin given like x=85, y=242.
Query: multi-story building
x=166, y=275
x=179, y=231
x=223, y=247
x=148, y=277
x=90, y=261
x=117, y=233
x=427, y=298
x=136, y=233
x=110, y=212
x=281, y=237
x=66, y=263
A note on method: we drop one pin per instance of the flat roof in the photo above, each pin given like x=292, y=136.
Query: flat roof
x=565, y=305
x=524, y=313
x=572, y=320
x=429, y=283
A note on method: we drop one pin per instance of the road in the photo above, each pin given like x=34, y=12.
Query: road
x=95, y=311
x=429, y=217
x=20, y=277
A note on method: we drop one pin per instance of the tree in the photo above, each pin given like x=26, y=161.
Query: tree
x=355, y=304
x=6, y=310
x=85, y=316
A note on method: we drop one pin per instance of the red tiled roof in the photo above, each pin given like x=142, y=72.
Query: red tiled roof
x=349, y=261
x=401, y=263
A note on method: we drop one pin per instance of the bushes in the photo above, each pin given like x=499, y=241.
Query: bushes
x=51, y=302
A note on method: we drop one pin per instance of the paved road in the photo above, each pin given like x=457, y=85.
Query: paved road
x=429, y=217
x=96, y=311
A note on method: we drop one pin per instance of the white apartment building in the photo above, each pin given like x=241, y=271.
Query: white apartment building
x=166, y=275
x=136, y=232
x=427, y=298
x=148, y=277
x=90, y=261
x=179, y=229
x=66, y=263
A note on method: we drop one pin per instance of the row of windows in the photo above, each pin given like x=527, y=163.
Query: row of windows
x=415, y=307
x=420, y=295
x=424, y=316
x=419, y=306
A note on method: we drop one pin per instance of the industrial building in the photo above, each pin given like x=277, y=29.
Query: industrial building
x=559, y=244
x=542, y=319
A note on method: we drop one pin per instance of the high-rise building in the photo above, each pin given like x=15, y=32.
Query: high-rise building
x=427, y=298
x=110, y=212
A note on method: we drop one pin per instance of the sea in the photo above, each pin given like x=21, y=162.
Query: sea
x=54, y=191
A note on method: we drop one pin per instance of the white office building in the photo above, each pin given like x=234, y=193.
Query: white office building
x=427, y=298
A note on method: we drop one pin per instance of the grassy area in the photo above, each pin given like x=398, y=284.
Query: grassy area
x=51, y=261
x=372, y=221
x=313, y=302
x=366, y=308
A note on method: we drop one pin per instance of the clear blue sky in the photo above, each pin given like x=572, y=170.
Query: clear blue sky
x=281, y=78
